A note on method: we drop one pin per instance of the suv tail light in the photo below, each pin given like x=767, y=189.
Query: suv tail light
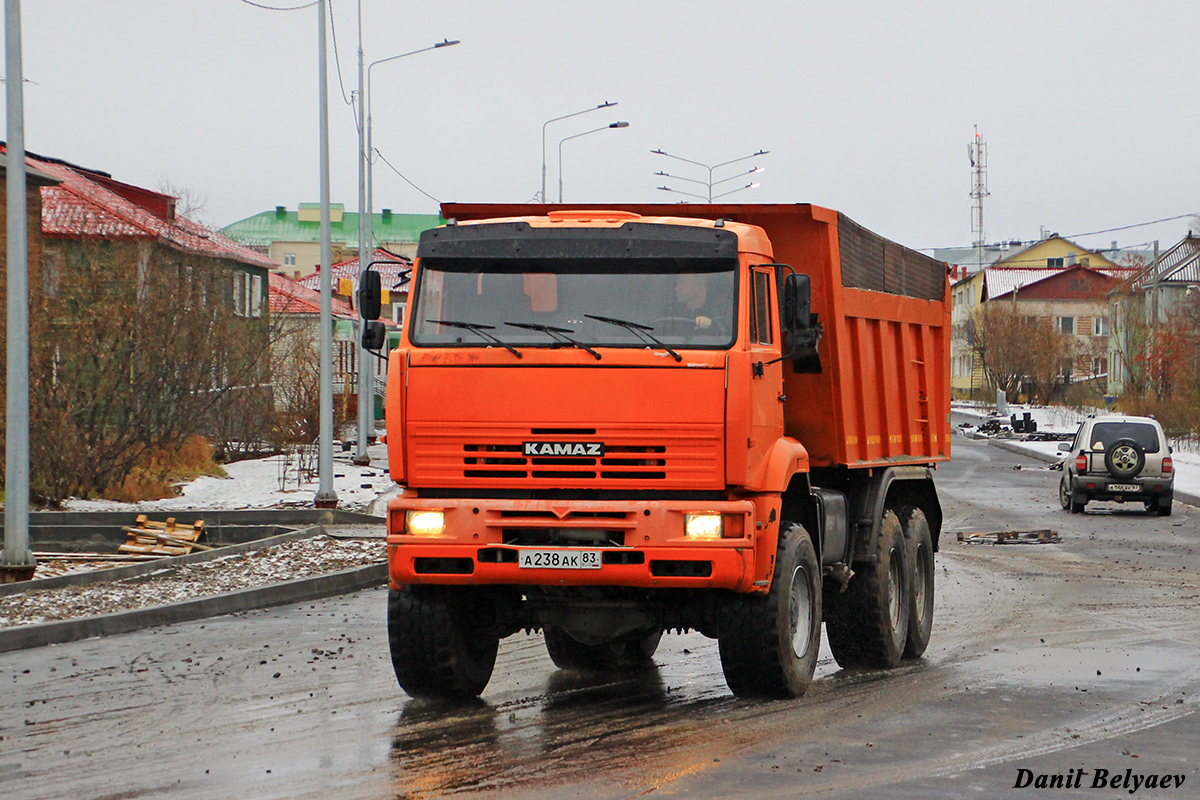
x=1081, y=463
x=1167, y=465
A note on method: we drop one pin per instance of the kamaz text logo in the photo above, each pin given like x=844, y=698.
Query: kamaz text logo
x=560, y=449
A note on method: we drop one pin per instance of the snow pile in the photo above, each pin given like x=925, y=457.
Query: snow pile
x=276, y=482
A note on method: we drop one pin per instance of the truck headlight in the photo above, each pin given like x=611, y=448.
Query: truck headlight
x=703, y=526
x=425, y=522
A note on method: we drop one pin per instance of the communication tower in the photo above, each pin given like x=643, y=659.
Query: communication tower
x=977, y=151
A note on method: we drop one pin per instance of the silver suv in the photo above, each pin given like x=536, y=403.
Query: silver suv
x=1124, y=459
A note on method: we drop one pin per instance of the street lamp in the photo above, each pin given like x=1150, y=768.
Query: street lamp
x=710, y=183
x=366, y=242
x=576, y=136
x=606, y=104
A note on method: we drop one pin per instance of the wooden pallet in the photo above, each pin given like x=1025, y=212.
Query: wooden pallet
x=1044, y=536
x=163, y=538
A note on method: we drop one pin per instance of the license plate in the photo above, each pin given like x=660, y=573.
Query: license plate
x=1124, y=487
x=558, y=559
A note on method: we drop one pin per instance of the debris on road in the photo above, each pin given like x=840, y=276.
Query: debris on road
x=1044, y=536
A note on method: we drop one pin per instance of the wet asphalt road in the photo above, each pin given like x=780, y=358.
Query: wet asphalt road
x=1049, y=658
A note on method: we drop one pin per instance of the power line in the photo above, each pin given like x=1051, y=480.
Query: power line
x=337, y=60
x=276, y=8
x=1127, y=227
x=1089, y=233
x=405, y=179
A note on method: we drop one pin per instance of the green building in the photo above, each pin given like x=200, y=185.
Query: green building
x=293, y=238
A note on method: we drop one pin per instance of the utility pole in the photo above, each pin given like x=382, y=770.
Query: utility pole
x=16, y=562
x=977, y=152
x=326, y=496
x=366, y=221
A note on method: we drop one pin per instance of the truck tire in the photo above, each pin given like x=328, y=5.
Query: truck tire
x=920, y=607
x=769, y=643
x=867, y=624
x=634, y=651
x=435, y=654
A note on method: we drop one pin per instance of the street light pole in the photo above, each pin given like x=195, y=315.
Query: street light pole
x=326, y=497
x=606, y=104
x=576, y=136
x=366, y=393
x=710, y=183
x=16, y=562
x=366, y=240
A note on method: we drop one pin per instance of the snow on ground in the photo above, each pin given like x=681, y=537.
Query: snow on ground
x=1060, y=419
x=274, y=482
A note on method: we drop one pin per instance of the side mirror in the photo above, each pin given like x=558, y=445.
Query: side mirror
x=370, y=296
x=1064, y=447
x=801, y=330
x=374, y=335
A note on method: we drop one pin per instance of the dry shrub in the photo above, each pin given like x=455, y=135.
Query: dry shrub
x=155, y=474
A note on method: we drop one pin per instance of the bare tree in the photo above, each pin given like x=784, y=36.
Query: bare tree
x=1019, y=354
x=188, y=202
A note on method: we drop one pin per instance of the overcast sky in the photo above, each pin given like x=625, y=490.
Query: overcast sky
x=1090, y=109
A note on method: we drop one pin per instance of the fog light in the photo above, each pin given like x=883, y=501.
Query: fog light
x=425, y=523
x=703, y=526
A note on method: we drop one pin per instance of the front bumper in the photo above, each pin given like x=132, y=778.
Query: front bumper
x=1100, y=487
x=480, y=546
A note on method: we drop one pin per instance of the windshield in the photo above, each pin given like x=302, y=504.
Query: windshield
x=596, y=304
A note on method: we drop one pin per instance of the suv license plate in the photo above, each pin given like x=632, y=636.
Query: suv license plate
x=558, y=559
x=1124, y=487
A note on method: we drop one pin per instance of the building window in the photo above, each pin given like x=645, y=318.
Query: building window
x=1066, y=325
x=1100, y=326
x=398, y=313
x=256, y=295
x=289, y=259
x=1098, y=365
x=1054, y=262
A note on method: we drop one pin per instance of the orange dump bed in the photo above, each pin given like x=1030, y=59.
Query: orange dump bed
x=882, y=396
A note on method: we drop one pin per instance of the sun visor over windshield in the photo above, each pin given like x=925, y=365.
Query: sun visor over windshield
x=520, y=247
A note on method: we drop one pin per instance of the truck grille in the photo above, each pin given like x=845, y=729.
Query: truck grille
x=682, y=458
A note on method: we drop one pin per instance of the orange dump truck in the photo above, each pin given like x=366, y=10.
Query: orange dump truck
x=615, y=421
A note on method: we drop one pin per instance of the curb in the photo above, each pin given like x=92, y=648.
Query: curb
x=158, y=565
x=1180, y=497
x=276, y=594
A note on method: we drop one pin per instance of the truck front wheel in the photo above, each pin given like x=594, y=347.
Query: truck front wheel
x=633, y=651
x=436, y=653
x=769, y=643
x=867, y=624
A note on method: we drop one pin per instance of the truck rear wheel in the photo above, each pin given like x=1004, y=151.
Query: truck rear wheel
x=435, y=653
x=633, y=651
x=920, y=608
x=769, y=643
x=867, y=624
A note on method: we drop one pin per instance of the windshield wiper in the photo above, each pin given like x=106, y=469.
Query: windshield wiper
x=638, y=329
x=560, y=334
x=479, y=330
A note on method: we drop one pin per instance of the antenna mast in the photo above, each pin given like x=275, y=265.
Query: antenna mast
x=977, y=151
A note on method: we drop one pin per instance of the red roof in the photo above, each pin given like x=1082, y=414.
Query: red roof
x=289, y=297
x=92, y=204
x=389, y=273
